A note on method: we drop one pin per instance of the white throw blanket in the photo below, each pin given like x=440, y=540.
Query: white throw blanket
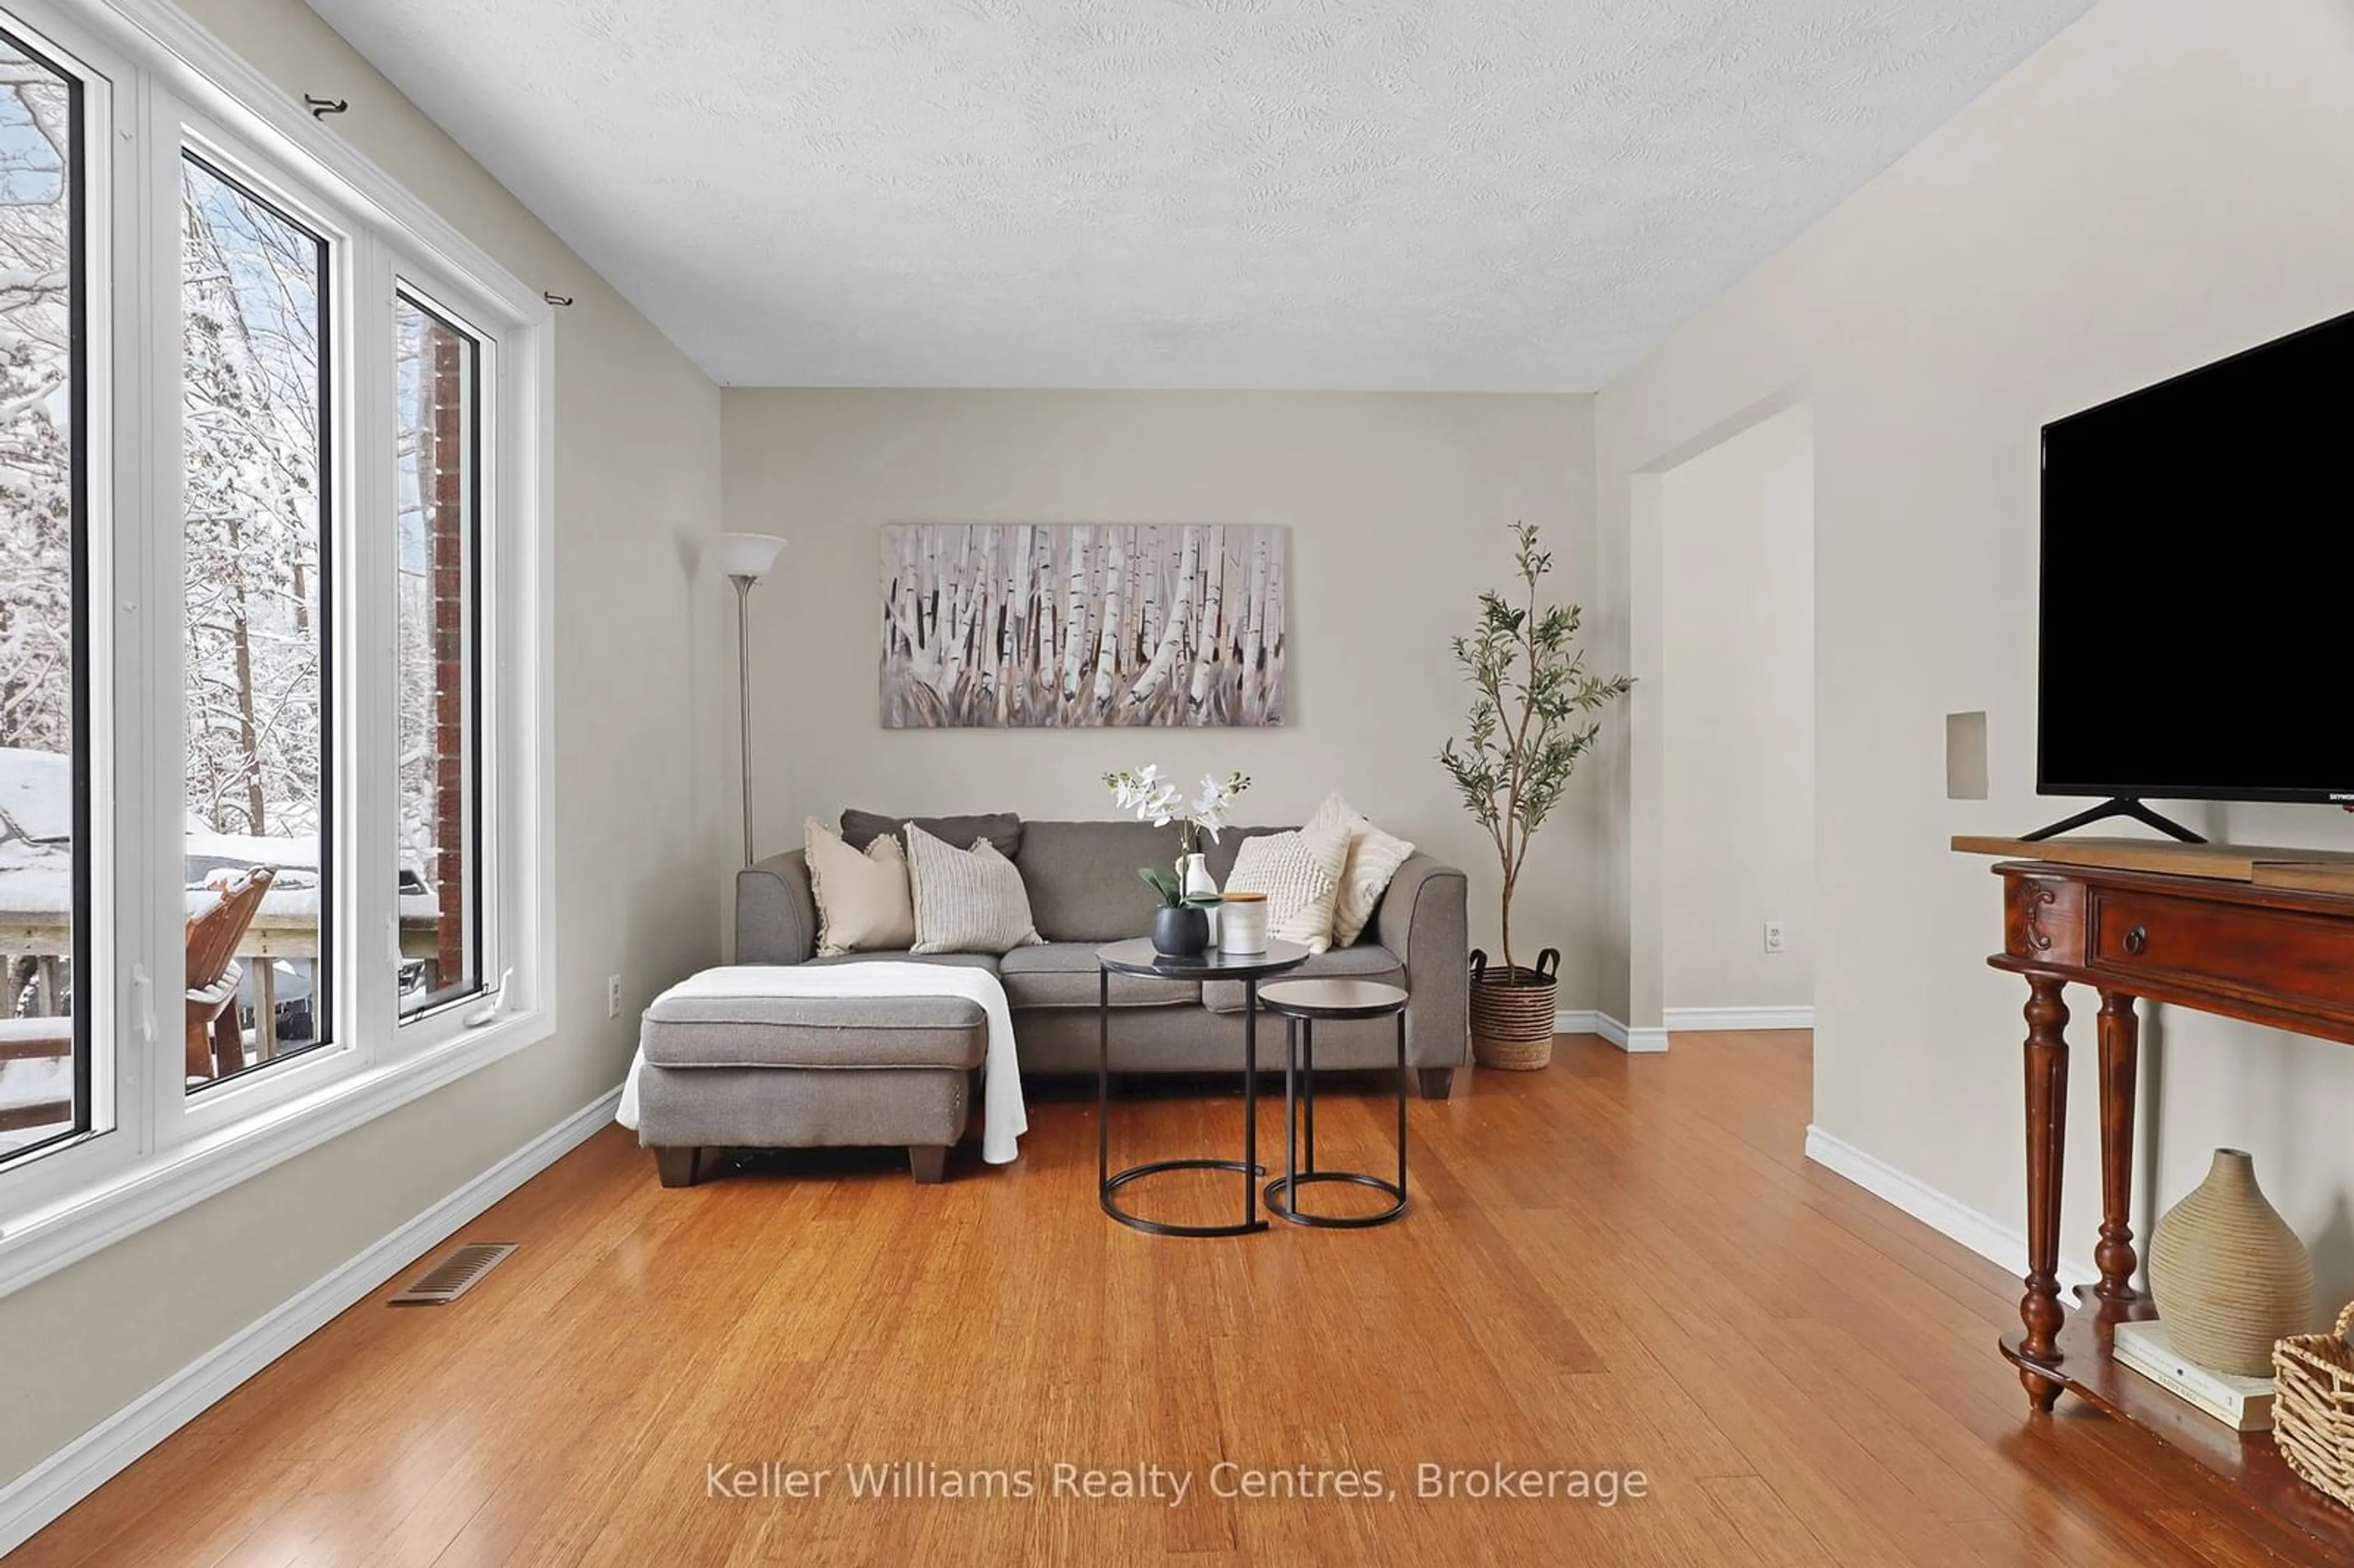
x=1002, y=1117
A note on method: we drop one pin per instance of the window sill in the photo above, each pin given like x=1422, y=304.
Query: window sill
x=61, y=1234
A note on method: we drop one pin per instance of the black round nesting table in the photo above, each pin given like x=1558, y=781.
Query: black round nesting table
x=1300, y=1003
x=1139, y=958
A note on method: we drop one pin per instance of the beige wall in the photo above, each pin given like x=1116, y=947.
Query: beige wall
x=641, y=841
x=2161, y=186
x=1736, y=699
x=1397, y=507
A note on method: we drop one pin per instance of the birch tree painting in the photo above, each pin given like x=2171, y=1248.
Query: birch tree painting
x=1027, y=625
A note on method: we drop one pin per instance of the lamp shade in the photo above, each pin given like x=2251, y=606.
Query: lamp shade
x=743, y=554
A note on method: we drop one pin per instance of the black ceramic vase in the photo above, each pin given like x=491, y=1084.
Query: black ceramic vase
x=1183, y=933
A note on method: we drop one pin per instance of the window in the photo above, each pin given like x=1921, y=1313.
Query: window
x=45, y=890
x=255, y=412
x=274, y=743
x=438, y=863
x=436, y=615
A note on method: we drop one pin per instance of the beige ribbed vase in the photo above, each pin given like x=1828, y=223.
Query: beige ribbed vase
x=2229, y=1274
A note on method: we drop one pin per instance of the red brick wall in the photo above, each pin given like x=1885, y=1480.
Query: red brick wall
x=444, y=458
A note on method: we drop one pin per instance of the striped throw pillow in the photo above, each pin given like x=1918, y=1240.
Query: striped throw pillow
x=967, y=901
x=1301, y=875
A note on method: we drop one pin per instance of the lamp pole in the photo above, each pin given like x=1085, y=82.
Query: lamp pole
x=743, y=699
x=744, y=559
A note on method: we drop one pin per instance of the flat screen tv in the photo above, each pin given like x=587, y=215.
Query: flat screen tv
x=2198, y=584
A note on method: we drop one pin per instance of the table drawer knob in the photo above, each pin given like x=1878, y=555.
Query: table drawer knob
x=2137, y=939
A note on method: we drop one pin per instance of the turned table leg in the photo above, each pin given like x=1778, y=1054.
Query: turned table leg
x=2120, y=1078
x=2047, y=1124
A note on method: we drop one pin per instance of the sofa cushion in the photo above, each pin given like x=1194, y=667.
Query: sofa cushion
x=1082, y=877
x=815, y=1032
x=1002, y=829
x=1063, y=974
x=1366, y=960
x=952, y=961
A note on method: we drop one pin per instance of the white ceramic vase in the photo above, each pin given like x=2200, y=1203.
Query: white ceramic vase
x=1194, y=871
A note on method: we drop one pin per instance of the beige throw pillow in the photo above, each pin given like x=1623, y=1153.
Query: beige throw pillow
x=967, y=901
x=1301, y=875
x=1373, y=858
x=863, y=904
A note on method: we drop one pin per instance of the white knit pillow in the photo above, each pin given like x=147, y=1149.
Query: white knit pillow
x=1373, y=858
x=967, y=901
x=1301, y=875
x=864, y=904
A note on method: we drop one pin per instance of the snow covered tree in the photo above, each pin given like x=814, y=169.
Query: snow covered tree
x=250, y=411
x=35, y=364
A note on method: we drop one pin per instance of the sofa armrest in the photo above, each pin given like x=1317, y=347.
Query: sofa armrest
x=776, y=912
x=1423, y=918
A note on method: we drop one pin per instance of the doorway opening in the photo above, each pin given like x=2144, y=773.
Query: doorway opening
x=1738, y=706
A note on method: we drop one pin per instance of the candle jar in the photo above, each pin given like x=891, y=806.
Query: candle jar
x=1241, y=923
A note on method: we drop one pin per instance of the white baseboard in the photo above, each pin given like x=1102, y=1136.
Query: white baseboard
x=1987, y=1236
x=1635, y=1042
x=82, y=1466
x=1647, y=1041
x=1678, y=1019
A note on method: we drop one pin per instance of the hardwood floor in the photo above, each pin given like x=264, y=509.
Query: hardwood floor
x=1621, y=1264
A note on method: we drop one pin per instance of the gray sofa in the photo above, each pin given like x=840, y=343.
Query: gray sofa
x=1084, y=892
x=800, y=1072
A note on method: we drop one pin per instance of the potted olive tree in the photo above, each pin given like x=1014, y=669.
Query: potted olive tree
x=1531, y=721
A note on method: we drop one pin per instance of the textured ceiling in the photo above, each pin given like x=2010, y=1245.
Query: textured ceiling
x=1497, y=195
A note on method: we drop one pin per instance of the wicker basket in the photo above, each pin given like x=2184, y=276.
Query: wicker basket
x=1511, y=1013
x=2312, y=1408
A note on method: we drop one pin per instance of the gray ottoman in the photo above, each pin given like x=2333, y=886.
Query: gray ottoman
x=806, y=1072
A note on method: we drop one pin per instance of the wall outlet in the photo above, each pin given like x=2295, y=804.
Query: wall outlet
x=1775, y=940
x=612, y=996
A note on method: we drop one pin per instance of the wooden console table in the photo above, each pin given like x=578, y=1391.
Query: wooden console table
x=2267, y=941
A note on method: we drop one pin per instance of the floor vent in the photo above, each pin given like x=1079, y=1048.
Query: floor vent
x=453, y=1276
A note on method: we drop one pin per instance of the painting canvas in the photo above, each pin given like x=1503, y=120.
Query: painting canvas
x=1081, y=625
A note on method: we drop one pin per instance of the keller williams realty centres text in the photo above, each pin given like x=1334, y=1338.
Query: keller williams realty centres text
x=1171, y=1487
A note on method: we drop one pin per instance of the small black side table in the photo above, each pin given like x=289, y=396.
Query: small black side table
x=1140, y=957
x=1300, y=1003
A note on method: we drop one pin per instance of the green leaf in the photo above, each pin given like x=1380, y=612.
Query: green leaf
x=1163, y=881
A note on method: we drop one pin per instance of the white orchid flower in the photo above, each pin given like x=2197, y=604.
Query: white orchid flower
x=1159, y=800
x=1209, y=811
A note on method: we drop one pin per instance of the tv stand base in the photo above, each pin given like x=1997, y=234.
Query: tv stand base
x=2122, y=806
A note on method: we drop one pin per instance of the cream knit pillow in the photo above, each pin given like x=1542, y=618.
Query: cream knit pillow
x=864, y=904
x=1301, y=875
x=967, y=901
x=1374, y=857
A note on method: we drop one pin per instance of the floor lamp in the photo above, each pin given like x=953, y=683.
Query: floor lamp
x=744, y=559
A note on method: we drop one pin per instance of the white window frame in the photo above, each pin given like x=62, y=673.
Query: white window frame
x=155, y=83
x=176, y=1118
x=428, y=288
x=117, y=1077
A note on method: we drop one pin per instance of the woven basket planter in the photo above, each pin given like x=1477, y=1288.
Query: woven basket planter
x=2312, y=1408
x=1511, y=1013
